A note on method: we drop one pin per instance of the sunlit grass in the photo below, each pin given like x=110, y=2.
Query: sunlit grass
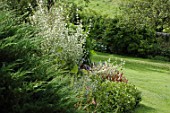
x=151, y=77
x=108, y=8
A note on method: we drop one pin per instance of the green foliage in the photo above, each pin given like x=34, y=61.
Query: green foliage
x=74, y=18
x=31, y=78
x=104, y=89
x=117, y=36
x=22, y=92
x=30, y=81
x=132, y=31
x=163, y=58
x=98, y=26
x=21, y=7
x=26, y=8
x=17, y=40
x=63, y=41
x=116, y=97
x=154, y=13
x=107, y=96
x=112, y=93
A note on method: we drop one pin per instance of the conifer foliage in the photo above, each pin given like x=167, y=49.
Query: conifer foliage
x=29, y=81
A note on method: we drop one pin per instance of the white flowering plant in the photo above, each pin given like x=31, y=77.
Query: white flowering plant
x=59, y=40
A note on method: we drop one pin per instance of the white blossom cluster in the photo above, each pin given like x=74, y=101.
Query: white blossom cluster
x=58, y=40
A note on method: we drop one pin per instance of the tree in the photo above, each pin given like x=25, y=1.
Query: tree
x=153, y=13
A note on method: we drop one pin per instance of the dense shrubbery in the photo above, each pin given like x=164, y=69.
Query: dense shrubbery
x=34, y=61
x=122, y=35
x=155, y=15
x=118, y=37
x=31, y=81
x=106, y=90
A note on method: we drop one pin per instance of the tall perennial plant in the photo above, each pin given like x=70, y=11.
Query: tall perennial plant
x=63, y=42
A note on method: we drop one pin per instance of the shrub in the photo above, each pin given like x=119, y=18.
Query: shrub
x=116, y=97
x=21, y=7
x=31, y=81
x=162, y=58
x=59, y=39
x=104, y=90
x=22, y=92
x=164, y=49
x=74, y=18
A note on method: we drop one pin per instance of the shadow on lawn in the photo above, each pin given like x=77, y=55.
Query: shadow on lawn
x=141, y=108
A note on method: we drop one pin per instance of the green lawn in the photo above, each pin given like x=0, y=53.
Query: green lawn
x=151, y=77
x=104, y=7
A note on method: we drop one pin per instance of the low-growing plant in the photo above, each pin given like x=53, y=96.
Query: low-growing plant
x=116, y=97
x=105, y=89
x=107, y=96
x=109, y=71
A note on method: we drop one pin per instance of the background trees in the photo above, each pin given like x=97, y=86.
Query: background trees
x=153, y=13
x=140, y=28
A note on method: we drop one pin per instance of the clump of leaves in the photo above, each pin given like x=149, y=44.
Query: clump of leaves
x=116, y=97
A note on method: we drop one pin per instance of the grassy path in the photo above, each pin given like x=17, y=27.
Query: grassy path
x=151, y=77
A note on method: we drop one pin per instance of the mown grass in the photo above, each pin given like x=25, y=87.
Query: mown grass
x=151, y=77
x=109, y=8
